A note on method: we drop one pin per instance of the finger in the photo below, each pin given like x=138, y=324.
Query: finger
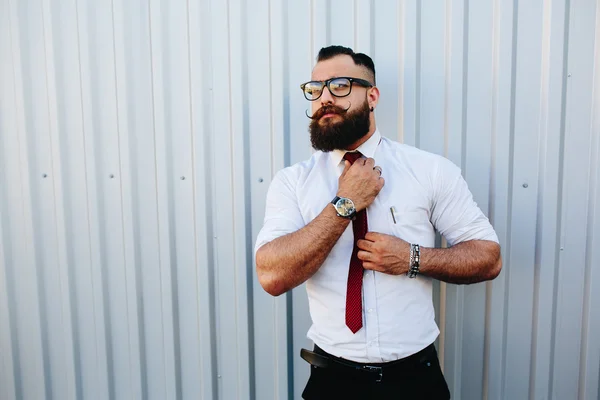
x=370, y=162
x=364, y=244
x=364, y=256
x=374, y=236
x=372, y=266
x=347, y=165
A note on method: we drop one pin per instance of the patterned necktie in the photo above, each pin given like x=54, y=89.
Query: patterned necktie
x=355, y=274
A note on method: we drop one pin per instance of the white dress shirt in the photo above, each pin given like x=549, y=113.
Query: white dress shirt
x=427, y=193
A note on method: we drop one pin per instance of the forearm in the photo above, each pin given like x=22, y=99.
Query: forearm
x=468, y=262
x=290, y=260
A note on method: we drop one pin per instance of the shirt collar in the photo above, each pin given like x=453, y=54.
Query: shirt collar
x=367, y=148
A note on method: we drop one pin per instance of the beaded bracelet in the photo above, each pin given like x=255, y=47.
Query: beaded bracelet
x=415, y=255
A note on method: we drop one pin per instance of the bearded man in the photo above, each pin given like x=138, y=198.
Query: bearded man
x=357, y=223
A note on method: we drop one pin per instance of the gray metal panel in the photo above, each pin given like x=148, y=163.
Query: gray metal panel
x=589, y=378
x=138, y=139
x=574, y=266
x=523, y=191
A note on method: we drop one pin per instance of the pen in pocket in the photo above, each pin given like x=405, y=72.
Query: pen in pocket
x=393, y=211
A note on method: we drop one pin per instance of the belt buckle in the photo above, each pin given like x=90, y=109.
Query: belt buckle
x=377, y=370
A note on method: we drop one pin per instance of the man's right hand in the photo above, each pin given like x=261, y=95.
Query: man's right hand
x=360, y=182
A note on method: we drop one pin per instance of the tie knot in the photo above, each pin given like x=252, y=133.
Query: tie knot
x=352, y=156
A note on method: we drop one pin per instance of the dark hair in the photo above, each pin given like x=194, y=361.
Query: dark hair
x=360, y=59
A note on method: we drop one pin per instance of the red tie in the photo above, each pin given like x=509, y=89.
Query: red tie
x=355, y=274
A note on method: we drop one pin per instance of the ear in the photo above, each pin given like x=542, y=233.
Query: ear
x=373, y=96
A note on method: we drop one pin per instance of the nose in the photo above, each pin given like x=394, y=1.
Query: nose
x=326, y=97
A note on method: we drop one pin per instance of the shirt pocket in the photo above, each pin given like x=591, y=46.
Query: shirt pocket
x=412, y=226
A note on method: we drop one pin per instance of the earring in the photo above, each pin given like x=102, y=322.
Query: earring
x=372, y=108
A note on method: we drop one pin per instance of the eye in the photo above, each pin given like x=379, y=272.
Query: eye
x=313, y=88
x=340, y=86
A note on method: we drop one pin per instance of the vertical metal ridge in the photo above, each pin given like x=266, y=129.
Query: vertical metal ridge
x=447, y=79
x=128, y=190
x=494, y=106
x=172, y=246
x=492, y=187
x=12, y=314
x=156, y=183
x=286, y=162
x=327, y=23
x=372, y=27
x=248, y=196
x=56, y=154
x=312, y=31
x=104, y=285
x=121, y=178
x=139, y=292
x=28, y=232
x=593, y=209
x=465, y=64
x=171, y=215
x=194, y=161
x=72, y=288
x=418, y=76
x=560, y=194
x=354, y=23
x=401, y=56
x=207, y=158
x=138, y=285
x=286, y=89
x=511, y=163
x=100, y=360
x=102, y=296
x=277, y=360
x=9, y=357
x=447, y=72
x=232, y=180
x=166, y=215
x=8, y=336
x=542, y=170
x=7, y=286
x=210, y=164
x=201, y=156
x=137, y=251
x=41, y=263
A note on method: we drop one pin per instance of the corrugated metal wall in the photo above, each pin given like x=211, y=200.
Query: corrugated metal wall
x=138, y=139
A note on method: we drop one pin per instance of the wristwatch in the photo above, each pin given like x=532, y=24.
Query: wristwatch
x=344, y=207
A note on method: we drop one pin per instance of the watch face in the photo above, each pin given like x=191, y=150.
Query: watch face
x=345, y=207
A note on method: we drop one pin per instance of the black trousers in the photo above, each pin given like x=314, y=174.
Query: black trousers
x=414, y=378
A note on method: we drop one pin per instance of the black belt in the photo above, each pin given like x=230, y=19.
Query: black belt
x=321, y=359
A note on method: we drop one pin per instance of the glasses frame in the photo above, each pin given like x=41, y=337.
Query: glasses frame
x=361, y=82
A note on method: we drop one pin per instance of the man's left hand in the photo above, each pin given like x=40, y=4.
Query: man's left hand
x=384, y=253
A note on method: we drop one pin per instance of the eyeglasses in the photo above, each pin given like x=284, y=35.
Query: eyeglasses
x=338, y=87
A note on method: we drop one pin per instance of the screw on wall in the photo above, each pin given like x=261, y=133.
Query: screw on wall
x=525, y=185
x=111, y=176
x=44, y=175
x=260, y=180
x=182, y=178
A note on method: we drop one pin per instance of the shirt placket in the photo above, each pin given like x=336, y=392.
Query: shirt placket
x=371, y=315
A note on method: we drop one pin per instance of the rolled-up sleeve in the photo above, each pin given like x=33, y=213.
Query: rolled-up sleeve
x=455, y=214
x=282, y=214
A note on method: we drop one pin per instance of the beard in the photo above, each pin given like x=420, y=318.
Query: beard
x=329, y=135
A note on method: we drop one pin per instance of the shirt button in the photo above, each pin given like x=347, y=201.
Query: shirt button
x=370, y=310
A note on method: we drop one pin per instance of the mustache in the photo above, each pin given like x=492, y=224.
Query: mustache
x=330, y=109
